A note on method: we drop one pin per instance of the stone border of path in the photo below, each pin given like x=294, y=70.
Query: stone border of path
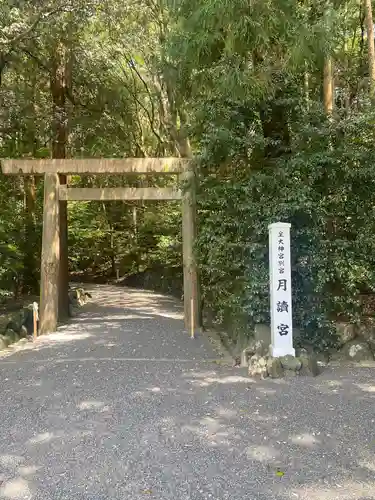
x=11, y=341
x=220, y=355
x=218, y=345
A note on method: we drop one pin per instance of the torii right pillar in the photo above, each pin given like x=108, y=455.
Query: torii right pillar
x=192, y=304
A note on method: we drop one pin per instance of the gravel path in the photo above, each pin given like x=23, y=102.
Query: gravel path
x=121, y=404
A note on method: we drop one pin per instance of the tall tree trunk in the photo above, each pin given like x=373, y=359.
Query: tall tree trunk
x=328, y=85
x=174, y=121
x=274, y=120
x=58, y=86
x=135, y=228
x=31, y=247
x=3, y=63
x=112, y=249
x=346, y=88
x=370, y=45
x=328, y=100
x=306, y=87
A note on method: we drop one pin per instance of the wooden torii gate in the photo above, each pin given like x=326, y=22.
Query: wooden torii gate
x=54, y=272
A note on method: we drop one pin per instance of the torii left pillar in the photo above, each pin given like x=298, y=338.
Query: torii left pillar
x=49, y=282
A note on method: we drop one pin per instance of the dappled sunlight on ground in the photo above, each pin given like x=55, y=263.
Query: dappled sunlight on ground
x=280, y=444
x=121, y=404
x=44, y=437
x=112, y=324
x=366, y=387
x=63, y=336
x=305, y=440
x=345, y=490
x=16, y=488
x=114, y=317
x=92, y=405
x=143, y=301
x=229, y=379
x=368, y=463
x=263, y=453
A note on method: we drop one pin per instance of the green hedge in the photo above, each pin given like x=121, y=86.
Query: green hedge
x=326, y=190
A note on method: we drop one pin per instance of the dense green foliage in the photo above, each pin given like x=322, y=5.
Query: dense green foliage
x=241, y=84
x=326, y=194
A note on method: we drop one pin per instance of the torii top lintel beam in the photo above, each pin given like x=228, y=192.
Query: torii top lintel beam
x=95, y=166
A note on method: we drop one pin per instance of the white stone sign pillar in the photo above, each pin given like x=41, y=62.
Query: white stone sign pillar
x=280, y=290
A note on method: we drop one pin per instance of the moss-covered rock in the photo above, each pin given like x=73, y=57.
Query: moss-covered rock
x=366, y=331
x=345, y=332
x=290, y=363
x=11, y=335
x=3, y=343
x=275, y=368
x=357, y=350
x=262, y=333
x=258, y=366
x=285, y=366
x=78, y=297
x=309, y=365
x=255, y=346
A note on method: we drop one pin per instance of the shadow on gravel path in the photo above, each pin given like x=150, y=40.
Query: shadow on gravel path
x=121, y=404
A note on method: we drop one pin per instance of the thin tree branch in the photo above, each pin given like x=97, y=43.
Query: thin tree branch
x=151, y=117
x=36, y=59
